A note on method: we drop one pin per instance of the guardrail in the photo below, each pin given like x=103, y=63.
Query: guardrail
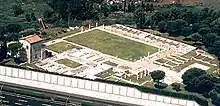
x=96, y=89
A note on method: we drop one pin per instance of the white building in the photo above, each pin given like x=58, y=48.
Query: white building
x=34, y=48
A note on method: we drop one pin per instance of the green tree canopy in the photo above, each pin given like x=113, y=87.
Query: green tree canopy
x=192, y=73
x=202, y=83
x=176, y=86
x=210, y=38
x=140, y=19
x=14, y=49
x=195, y=37
x=17, y=10
x=186, y=31
x=162, y=26
x=157, y=76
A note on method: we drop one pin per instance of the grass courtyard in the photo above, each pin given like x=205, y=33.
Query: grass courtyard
x=68, y=63
x=55, y=33
x=61, y=46
x=113, y=45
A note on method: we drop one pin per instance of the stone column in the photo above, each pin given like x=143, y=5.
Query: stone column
x=82, y=29
x=96, y=24
x=43, y=55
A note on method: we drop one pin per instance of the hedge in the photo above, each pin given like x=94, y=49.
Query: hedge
x=189, y=96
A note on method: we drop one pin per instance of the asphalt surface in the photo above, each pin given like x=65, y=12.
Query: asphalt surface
x=55, y=98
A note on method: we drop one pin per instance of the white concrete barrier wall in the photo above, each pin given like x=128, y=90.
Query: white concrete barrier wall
x=88, y=88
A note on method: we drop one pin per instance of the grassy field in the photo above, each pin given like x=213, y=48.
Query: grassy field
x=112, y=79
x=113, y=45
x=33, y=66
x=61, y=47
x=55, y=33
x=105, y=74
x=68, y=63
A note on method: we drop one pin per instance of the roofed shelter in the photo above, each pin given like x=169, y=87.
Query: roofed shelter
x=34, y=48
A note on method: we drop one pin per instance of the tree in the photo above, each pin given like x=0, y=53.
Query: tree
x=33, y=17
x=176, y=86
x=186, y=31
x=17, y=10
x=195, y=37
x=192, y=73
x=190, y=76
x=157, y=76
x=215, y=97
x=50, y=16
x=3, y=42
x=28, y=17
x=209, y=39
x=14, y=49
x=174, y=27
x=195, y=27
x=105, y=9
x=204, y=30
x=98, y=1
x=114, y=7
x=13, y=28
x=8, y=33
x=162, y=26
x=13, y=36
x=203, y=83
x=22, y=56
x=140, y=19
x=216, y=22
x=131, y=7
x=216, y=48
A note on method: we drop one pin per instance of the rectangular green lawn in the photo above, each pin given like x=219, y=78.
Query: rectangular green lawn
x=68, y=63
x=61, y=47
x=56, y=33
x=113, y=45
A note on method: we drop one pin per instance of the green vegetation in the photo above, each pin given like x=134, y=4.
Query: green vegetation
x=9, y=61
x=157, y=76
x=32, y=66
x=176, y=86
x=112, y=79
x=121, y=81
x=197, y=25
x=68, y=63
x=55, y=33
x=105, y=74
x=111, y=63
x=113, y=45
x=199, y=81
x=212, y=69
x=61, y=47
x=142, y=80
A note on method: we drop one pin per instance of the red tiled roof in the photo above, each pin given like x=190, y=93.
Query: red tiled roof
x=32, y=38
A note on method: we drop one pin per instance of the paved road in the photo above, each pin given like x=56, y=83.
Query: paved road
x=9, y=98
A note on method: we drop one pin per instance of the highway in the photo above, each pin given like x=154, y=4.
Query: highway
x=55, y=98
